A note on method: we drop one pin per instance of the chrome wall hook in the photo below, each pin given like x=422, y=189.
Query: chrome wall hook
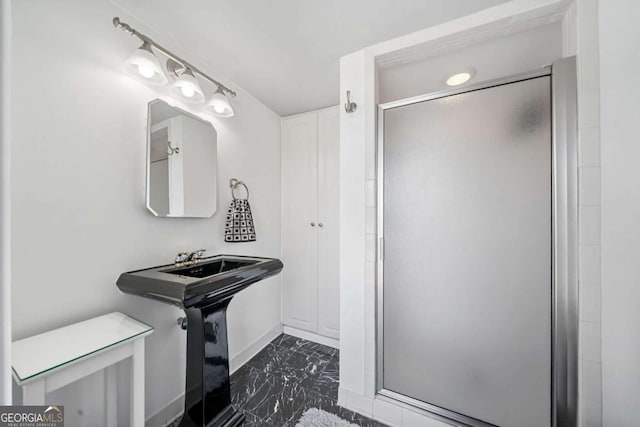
x=171, y=150
x=349, y=106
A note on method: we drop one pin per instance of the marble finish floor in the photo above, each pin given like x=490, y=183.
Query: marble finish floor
x=289, y=376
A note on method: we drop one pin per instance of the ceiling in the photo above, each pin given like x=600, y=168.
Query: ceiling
x=286, y=52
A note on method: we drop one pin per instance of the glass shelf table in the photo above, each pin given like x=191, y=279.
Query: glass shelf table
x=48, y=361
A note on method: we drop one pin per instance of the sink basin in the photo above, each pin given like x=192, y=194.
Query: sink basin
x=203, y=291
x=210, y=268
x=212, y=279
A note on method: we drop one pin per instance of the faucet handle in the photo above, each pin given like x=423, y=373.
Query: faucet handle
x=199, y=254
x=181, y=257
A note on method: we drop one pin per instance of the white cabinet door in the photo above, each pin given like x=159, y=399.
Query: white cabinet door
x=299, y=212
x=328, y=234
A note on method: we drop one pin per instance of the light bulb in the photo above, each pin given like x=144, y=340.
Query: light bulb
x=187, y=87
x=219, y=104
x=187, y=91
x=145, y=71
x=143, y=65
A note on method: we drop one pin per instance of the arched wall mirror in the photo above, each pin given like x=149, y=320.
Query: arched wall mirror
x=181, y=163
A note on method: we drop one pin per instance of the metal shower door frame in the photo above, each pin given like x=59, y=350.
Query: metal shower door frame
x=564, y=263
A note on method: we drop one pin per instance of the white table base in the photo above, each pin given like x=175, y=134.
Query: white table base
x=34, y=391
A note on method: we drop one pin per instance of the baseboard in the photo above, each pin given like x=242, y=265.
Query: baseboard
x=390, y=411
x=174, y=409
x=167, y=414
x=355, y=402
x=331, y=342
x=245, y=355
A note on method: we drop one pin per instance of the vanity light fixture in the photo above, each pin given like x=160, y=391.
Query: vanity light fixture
x=219, y=104
x=187, y=88
x=144, y=64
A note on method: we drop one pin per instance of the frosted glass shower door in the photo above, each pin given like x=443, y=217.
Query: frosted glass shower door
x=467, y=284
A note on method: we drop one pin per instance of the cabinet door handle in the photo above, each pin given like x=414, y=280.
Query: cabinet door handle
x=320, y=224
x=313, y=224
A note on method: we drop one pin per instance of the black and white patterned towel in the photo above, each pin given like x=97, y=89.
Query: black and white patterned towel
x=239, y=226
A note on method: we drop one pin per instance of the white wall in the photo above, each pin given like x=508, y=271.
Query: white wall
x=495, y=58
x=619, y=116
x=78, y=196
x=5, y=192
x=352, y=228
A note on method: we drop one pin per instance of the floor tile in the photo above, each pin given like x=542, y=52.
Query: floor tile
x=333, y=366
x=315, y=349
x=253, y=421
x=289, y=376
x=245, y=382
x=269, y=358
x=279, y=402
x=327, y=385
x=286, y=341
x=302, y=369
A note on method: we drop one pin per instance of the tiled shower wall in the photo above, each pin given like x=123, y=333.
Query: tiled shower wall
x=590, y=392
x=371, y=240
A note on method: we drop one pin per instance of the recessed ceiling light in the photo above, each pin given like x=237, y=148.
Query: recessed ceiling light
x=458, y=79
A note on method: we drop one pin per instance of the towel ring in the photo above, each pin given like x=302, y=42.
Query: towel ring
x=234, y=183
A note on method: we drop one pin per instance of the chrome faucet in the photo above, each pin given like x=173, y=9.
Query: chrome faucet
x=189, y=258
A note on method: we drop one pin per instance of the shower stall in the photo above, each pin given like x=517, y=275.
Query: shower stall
x=477, y=270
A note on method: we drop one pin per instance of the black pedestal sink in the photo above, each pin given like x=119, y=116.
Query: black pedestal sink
x=204, y=291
